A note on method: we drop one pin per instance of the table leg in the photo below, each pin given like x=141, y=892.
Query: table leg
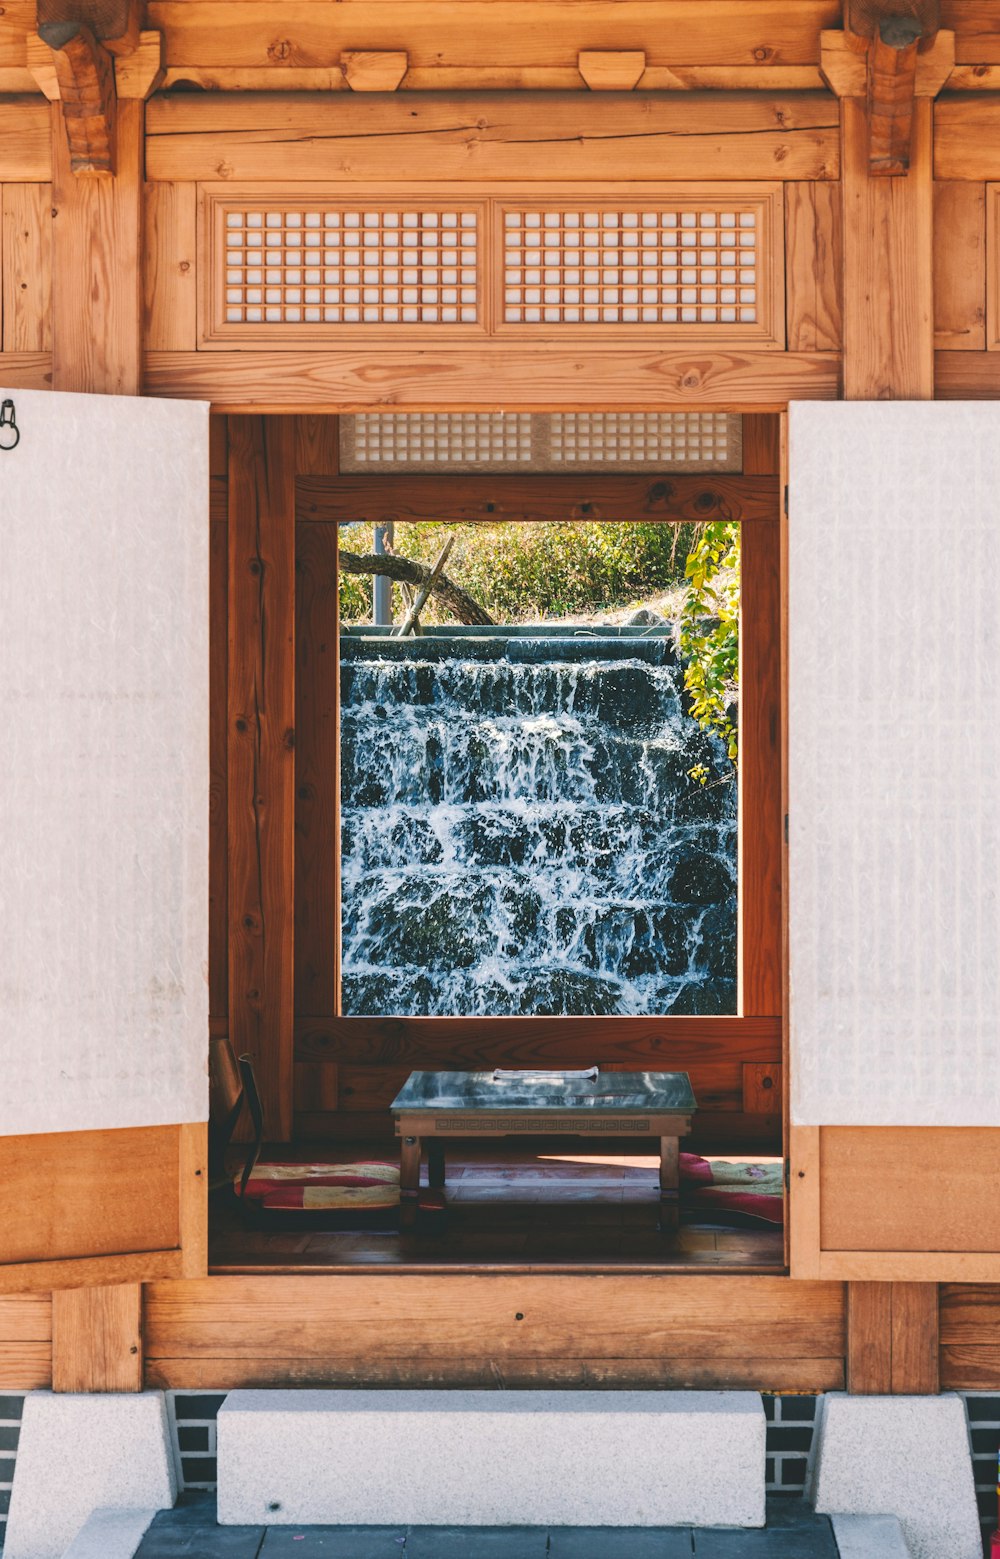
x=435, y=1163
x=409, y=1182
x=669, y=1186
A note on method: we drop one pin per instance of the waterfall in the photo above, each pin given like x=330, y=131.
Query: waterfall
x=519, y=831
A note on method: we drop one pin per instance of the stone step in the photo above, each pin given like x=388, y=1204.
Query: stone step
x=481, y=1458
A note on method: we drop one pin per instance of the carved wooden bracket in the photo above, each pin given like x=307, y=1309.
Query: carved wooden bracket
x=890, y=52
x=374, y=70
x=72, y=59
x=611, y=70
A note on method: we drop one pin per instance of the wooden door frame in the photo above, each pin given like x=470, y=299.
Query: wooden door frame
x=319, y=1036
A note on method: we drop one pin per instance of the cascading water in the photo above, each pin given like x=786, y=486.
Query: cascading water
x=520, y=834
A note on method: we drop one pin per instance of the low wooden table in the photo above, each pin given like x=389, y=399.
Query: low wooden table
x=433, y=1106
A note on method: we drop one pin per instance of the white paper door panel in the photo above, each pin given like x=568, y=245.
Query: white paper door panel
x=104, y=767
x=894, y=763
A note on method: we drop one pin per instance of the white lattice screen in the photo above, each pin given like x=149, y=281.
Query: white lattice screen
x=684, y=262
x=610, y=267
x=560, y=441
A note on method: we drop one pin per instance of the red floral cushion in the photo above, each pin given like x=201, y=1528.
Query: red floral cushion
x=370, y=1185
x=717, y=1186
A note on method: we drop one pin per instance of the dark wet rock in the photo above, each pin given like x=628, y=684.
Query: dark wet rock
x=700, y=878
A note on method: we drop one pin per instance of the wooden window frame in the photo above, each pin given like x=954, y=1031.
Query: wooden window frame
x=752, y=1039
x=490, y=201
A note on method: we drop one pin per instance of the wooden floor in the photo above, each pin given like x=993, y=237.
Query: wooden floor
x=511, y=1208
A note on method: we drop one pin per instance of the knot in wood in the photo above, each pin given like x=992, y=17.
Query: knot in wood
x=762, y=52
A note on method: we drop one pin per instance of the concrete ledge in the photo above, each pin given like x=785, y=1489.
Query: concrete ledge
x=485, y=1458
x=77, y=1454
x=902, y=1456
x=869, y=1537
x=110, y=1534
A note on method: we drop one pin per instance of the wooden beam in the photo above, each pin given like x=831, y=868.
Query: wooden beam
x=460, y=499
x=472, y=1044
x=261, y=755
x=915, y=1352
x=887, y=277
x=507, y=43
x=371, y=70
x=493, y=376
x=97, y=1338
x=611, y=70
x=437, y=136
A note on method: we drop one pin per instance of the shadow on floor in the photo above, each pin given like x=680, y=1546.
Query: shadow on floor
x=793, y=1531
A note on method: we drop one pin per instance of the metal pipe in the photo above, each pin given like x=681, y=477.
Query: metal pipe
x=381, y=586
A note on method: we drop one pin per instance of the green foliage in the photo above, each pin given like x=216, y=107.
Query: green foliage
x=524, y=573
x=709, y=635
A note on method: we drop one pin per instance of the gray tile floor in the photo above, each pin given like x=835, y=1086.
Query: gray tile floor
x=793, y=1531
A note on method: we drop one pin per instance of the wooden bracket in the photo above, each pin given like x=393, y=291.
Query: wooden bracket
x=611, y=70
x=82, y=75
x=72, y=59
x=878, y=57
x=138, y=75
x=368, y=70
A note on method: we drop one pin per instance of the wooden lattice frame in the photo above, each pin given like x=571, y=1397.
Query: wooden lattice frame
x=993, y=267
x=541, y=441
x=658, y=298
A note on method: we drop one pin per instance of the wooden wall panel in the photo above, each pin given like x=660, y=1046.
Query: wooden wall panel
x=97, y=1338
x=317, y=784
x=967, y=137
x=375, y=136
x=460, y=1328
x=970, y=1336
x=960, y=266
x=892, y=1338
x=25, y=141
x=170, y=270
x=261, y=754
x=27, y=267
x=813, y=263
x=25, y=1342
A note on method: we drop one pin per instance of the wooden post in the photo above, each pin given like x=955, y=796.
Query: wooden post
x=888, y=355
x=892, y=1338
x=261, y=755
x=97, y=349
x=888, y=262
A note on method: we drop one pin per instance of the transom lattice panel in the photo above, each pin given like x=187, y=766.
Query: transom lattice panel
x=560, y=441
x=639, y=266
x=671, y=262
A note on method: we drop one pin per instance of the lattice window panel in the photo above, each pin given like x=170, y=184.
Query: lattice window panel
x=630, y=267
x=321, y=267
x=430, y=441
x=672, y=262
x=645, y=441
x=560, y=441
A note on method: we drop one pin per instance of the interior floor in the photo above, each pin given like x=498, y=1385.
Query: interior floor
x=512, y=1207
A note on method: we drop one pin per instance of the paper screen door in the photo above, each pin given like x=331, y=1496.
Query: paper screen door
x=894, y=840
x=103, y=839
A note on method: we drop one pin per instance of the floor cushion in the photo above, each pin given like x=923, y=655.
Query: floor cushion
x=716, y=1188
x=312, y=1191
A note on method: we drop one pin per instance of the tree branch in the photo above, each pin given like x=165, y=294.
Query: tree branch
x=406, y=571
